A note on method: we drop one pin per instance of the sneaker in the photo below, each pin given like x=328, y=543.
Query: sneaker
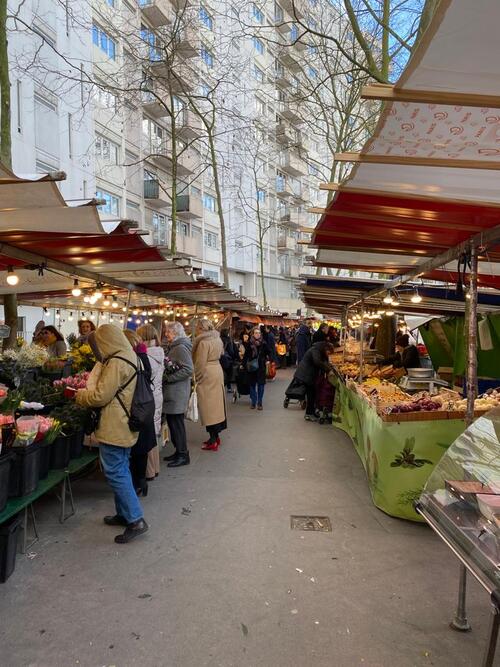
x=259, y=407
x=310, y=418
x=132, y=531
x=252, y=407
x=115, y=520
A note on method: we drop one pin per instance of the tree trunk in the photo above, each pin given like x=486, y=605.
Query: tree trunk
x=5, y=137
x=261, y=254
x=10, y=316
x=213, y=157
x=173, y=230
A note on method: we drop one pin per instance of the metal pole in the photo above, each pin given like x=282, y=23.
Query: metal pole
x=361, y=342
x=460, y=621
x=127, y=308
x=472, y=339
x=489, y=655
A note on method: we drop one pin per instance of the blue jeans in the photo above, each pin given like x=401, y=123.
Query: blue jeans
x=116, y=466
x=257, y=393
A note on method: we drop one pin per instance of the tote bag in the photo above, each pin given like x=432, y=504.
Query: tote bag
x=192, y=408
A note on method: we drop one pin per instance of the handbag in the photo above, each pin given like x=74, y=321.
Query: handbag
x=192, y=408
x=253, y=365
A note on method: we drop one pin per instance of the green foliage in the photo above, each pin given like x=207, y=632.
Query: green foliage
x=406, y=459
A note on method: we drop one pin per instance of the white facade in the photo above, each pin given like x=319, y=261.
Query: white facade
x=93, y=95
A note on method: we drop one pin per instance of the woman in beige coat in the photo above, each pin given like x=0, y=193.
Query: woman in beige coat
x=207, y=351
x=118, y=375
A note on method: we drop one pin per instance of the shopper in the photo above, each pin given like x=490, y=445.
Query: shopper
x=84, y=329
x=207, y=350
x=151, y=339
x=407, y=356
x=37, y=333
x=269, y=338
x=53, y=341
x=282, y=347
x=113, y=432
x=229, y=358
x=147, y=436
x=292, y=349
x=314, y=361
x=320, y=334
x=257, y=353
x=176, y=391
x=303, y=341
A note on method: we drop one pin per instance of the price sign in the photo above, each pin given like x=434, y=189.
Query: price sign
x=4, y=331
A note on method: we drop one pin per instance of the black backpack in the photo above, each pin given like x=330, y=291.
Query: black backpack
x=142, y=409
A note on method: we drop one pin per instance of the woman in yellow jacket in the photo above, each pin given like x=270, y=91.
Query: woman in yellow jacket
x=113, y=432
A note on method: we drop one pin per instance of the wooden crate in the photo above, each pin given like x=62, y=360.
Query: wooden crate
x=421, y=416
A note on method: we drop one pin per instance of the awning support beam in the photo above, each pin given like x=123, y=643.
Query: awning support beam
x=388, y=93
x=414, y=161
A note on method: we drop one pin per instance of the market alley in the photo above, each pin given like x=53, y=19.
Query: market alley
x=222, y=580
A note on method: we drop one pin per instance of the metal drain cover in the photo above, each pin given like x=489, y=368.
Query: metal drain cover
x=320, y=524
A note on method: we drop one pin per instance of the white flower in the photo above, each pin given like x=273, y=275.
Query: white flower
x=31, y=356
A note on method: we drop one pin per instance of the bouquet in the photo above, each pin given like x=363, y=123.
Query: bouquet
x=83, y=357
x=29, y=356
x=48, y=429
x=171, y=366
x=78, y=381
x=54, y=365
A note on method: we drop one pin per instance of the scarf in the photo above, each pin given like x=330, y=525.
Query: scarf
x=254, y=346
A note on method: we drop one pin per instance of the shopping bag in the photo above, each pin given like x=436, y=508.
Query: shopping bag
x=281, y=349
x=271, y=370
x=192, y=408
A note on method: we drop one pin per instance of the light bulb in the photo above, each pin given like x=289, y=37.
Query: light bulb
x=114, y=303
x=92, y=316
x=93, y=299
x=395, y=303
x=70, y=317
x=389, y=313
x=186, y=323
x=135, y=312
x=106, y=302
x=58, y=314
x=104, y=316
x=12, y=278
x=416, y=298
x=129, y=319
x=144, y=313
x=76, y=291
x=387, y=299
x=138, y=321
x=86, y=299
x=98, y=294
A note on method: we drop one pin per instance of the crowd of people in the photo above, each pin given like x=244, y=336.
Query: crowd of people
x=176, y=369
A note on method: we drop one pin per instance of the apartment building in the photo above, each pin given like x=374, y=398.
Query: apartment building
x=117, y=99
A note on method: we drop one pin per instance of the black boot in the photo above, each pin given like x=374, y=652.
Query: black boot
x=172, y=457
x=132, y=531
x=115, y=520
x=180, y=460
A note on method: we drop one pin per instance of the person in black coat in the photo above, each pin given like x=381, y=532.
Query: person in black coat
x=407, y=356
x=315, y=360
x=229, y=358
x=321, y=334
x=302, y=341
x=257, y=353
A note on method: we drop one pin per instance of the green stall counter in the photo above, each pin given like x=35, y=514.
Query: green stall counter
x=398, y=457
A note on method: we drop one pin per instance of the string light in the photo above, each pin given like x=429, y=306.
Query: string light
x=76, y=291
x=58, y=314
x=70, y=317
x=387, y=299
x=129, y=319
x=86, y=299
x=135, y=312
x=92, y=316
x=138, y=321
x=12, y=277
x=114, y=304
x=416, y=298
x=106, y=302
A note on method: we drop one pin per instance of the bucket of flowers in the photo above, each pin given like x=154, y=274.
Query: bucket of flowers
x=69, y=442
x=48, y=430
x=82, y=357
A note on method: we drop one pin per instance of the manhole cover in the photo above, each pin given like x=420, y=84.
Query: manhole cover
x=321, y=524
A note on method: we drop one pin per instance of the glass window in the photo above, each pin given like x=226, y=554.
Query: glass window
x=294, y=33
x=260, y=106
x=160, y=229
x=312, y=73
x=211, y=275
x=207, y=56
x=261, y=196
x=258, y=73
x=150, y=38
x=280, y=181
x=258, y=45
x=211, y=240
x=278, y=12
x=257, y=13
x=209, y=203
x=106, y=43
x=106, y=150
x=111, y=3
x=104, y=98
x=206, y=19
x=183, y=228
x=112, y=202
x=205, y=89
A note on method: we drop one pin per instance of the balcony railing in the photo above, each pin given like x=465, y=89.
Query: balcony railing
x=286, y=242
x=157, y=12
x=151, y=189
x=189, y=206
x=292, y=163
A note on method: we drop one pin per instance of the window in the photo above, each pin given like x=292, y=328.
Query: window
x=183, y=228
x=279, y=69
x=104, y=98
x=106, y=150
x=19, y=97
x=257, y=14
x=159, y=229
x=312, y=50
x=207, y=56
x=278, y=13
x=260, y=106
x=211, y=240
x=206, y=19
x=258, y=74
x=209, y=202
x=106, y=43
x=280, y=181
x=258, y=45
x=261, y=196
x=312, y=73
x=211, y=275
x=294, y=33
x=111, y=3
x=112, y=202
x=154, y=51
x=205, y=89
x=312, y=169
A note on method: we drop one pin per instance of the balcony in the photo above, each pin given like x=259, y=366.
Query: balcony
x=187, y=42
x=290, y=58
x=296, y=8
x=154, y=194
x=283, y=188
x=286, y=242
x=290, y=111
x=189, y=125
x=284, y=135
x=158, y=151
x=281, y=79
x=157, y=12
x=292, y=217
x=189, y=245
x=151, y=103
x=189, y=206
x=187, y=163
x=290, y=271
x=292, y=164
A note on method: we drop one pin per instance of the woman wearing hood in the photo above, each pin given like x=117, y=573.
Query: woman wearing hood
x=176, y=390
x=257, y=353
x=207, y=351
x=113, y=432
x=156, y=356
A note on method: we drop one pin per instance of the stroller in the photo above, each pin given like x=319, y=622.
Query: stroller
x=241, y=380
x=296, y=391
x=325, y=396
